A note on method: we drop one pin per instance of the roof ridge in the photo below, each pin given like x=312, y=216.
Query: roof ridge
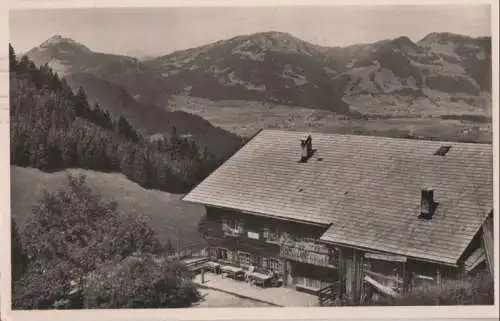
x=369, y=136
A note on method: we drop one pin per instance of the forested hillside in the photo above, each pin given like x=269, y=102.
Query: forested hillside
x=53, y=128
x=74, y=232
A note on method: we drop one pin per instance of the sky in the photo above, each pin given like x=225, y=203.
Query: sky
x=159, y=31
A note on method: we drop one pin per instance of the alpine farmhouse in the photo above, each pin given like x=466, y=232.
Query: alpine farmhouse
x=348, y=213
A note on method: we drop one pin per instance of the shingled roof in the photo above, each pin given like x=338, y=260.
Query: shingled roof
x=366, y=190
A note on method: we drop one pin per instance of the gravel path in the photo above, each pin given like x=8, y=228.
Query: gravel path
x=216, y=299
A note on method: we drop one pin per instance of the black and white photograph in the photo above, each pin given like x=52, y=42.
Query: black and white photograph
x=252, y=157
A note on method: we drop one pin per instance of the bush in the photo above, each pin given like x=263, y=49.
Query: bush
x=140, y=281
x=44, y=283
x=18, y=258
x=478, y=290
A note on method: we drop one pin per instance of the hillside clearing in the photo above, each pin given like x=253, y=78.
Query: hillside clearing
x=170, y=217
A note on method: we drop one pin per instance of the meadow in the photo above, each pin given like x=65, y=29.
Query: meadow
x=165, y=213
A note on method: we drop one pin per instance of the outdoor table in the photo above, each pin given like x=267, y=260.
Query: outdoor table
x=213, y=267
x=260, y=278
x=233, y=272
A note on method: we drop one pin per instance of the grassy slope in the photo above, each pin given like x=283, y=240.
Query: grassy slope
x=166, y=213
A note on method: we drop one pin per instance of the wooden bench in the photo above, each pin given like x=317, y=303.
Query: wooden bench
x=213, y=267
x=233, y=272
x=307, y=289
x=261, y=279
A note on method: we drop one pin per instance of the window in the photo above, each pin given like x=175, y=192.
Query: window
x=212, y=252
x=263, y=263
x=275, y=265
x=333, y=257
x=305, y=237
x=230, y=256
x=234, y=227
x=271, y=234
x=245, y=258
x=239, y=226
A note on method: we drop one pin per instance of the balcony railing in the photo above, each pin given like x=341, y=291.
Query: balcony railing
x=309, y=257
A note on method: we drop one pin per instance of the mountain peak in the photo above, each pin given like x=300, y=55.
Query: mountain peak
x=273, y=35
x=57, y=38
x=443, y=37
x=275, y=41
x=404, y=42
x=60, y=40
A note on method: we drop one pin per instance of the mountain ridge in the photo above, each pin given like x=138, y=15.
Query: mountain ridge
x=442, y=73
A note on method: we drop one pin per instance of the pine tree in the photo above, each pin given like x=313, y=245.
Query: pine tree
x=81, y=105
x=12, y=59
x=140, y=167
x=24, y=63
x=126, y=130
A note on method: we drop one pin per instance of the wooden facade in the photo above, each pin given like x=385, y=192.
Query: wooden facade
x=351, y=271
x=487, y=242
x=389, y=275
x=293, y=252
x=289, y=249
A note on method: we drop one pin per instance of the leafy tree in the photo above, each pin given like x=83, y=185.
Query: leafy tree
x=140, y=281
x=70, y=233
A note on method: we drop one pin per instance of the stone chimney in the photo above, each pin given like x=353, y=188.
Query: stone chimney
x=427, y=204
x=305, y=148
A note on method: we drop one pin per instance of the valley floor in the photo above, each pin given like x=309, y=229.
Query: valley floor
x=245, y=118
